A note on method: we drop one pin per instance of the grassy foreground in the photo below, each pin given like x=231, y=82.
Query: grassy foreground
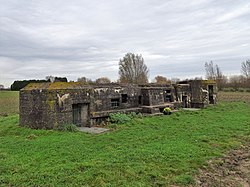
x=154, y=151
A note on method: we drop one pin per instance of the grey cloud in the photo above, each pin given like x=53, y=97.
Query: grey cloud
x=87, y=38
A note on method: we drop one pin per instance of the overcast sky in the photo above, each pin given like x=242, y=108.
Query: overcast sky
x=79, y=38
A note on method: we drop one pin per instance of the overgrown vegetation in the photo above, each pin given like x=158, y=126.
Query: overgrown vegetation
x=119, y=118
x=152, y=151
x=67, y=127
x=122, y=118
x=19, y=84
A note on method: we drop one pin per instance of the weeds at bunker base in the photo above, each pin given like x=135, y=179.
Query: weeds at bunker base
x=50, y=105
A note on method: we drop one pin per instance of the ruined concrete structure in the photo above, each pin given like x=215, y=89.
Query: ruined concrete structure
x=49, y=105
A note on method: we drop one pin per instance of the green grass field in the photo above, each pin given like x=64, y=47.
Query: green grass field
x=153, y=151
x=9, y=103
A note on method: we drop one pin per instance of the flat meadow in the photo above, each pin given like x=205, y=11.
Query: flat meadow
x=149, y=151
x=234, y=96
x=9, y=102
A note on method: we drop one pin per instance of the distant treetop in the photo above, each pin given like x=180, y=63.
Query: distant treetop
x=132, y=69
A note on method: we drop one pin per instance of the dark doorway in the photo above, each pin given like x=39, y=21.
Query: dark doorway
x=124, y=98
x=139, y=99
x=211, y=94
x=80, y=114
x=184, y=101
x=145, y=97
x=167, y=96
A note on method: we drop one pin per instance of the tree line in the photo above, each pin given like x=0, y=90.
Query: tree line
x=133, y=70
x=19, y=84
x=234, y=82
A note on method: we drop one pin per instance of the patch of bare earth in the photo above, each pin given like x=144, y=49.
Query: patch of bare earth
x=230, y=170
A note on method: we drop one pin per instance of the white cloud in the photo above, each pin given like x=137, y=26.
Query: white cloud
x=88, y=37
x=235, y=13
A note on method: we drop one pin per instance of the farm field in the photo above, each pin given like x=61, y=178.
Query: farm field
x=234, y=96
x=9, y=102
x=153, y=151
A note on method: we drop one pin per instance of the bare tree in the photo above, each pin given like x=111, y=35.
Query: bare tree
x=245, y=68
x=84, y=80
x=198, y=78
x=175, y=80
x=50, y=78
x=235, y=81
x=103, y=80
x=218, y=73
x=214, y=72
x=162, y=80
x=219, y=77
x=222, y=82
x=209, y=68
x=132, y=69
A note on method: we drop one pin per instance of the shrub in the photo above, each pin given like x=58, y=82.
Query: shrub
x=167, y=111
x=135, y=115
x=139, y=115
x=120, y=118
x=132, y=115
x=68, y=128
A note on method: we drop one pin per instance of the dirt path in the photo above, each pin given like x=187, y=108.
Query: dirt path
x=231, y=170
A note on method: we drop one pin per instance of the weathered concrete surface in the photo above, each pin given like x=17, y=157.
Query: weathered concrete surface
x=93, y=130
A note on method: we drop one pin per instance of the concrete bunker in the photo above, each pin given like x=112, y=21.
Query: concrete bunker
x=49, y=105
